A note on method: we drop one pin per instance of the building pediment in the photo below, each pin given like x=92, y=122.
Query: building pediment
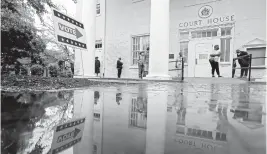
x=255, y=43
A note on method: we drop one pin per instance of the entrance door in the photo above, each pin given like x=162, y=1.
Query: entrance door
x=203, y=50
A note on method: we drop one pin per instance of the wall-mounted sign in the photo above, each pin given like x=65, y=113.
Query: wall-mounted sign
x=205, y=11
x=207, y=22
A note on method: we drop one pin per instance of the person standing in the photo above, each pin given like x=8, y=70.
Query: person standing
x=97, y=66
x=146, y=62
x=119, y=67
x=214, y=61
x=141, y=64
x=243, y=60
x=178, y=62
x=233, y=70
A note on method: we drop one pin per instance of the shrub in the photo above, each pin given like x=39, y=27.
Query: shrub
x=37, y=70
x=53, y=71
x=23, y=70
x=65, y=73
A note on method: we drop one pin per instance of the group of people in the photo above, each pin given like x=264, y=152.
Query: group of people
x=242, y=57
x=142, y=65
x=119, y=66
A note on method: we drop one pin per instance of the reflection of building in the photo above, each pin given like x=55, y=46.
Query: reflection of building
x=198, y=121
x=250, y=118
x=203, y=134
x=138, y=112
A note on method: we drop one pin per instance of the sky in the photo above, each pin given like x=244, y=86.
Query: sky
x=68, y=4
x=70, y=7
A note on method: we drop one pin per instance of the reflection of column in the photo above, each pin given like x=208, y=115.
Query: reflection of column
x=156, y=122
x=85, y=106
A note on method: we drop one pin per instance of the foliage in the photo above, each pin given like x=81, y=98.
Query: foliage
x=53, y=70
x=20, y=38
x=23, y=70
x=37, y=70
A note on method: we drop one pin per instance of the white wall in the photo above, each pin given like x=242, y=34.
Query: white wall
x=124, y=19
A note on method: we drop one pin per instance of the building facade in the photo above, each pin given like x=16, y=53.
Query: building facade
x=123, y=29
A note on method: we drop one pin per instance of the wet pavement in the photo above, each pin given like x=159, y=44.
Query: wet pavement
x=153, y=118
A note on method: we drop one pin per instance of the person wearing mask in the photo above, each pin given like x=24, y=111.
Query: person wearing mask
x=243, y=60
x=146, y=63
x=214, y=61
x=141, y=64
x=97, y=66
x=119, y=67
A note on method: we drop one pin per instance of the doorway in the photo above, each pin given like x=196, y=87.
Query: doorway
x=203, y=49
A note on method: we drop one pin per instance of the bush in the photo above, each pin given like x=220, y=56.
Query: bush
x=23, y=70
x=65, y=73
x=37, y=70
x=53, y=71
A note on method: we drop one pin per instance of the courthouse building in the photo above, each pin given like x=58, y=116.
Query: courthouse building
x=123, y=29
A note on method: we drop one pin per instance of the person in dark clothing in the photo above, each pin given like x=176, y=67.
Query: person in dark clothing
x=243, y=61
x=17, y=68
x=119, y=67
x=72, y=68
x=97, y=66
x=141, y=65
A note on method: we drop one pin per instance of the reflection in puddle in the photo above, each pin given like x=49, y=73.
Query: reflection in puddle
x=140, y=119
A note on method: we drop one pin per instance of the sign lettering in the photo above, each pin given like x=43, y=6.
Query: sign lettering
x=69, y=31
x=207, y=22
x=66, y=135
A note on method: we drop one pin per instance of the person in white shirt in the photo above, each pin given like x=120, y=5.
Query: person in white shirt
x=214, y=61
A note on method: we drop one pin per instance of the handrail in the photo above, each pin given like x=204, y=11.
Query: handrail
x=249, y=67
x=177, y=69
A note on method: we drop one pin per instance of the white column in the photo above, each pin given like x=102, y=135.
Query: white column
x=159, y=40
x=85, y=59
x=156, y=122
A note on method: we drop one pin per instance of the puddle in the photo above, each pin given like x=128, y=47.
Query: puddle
x=140, y=119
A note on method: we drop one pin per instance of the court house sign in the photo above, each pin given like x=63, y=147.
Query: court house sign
x=204, y=13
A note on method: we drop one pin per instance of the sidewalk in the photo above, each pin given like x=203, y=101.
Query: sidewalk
x=186, y=80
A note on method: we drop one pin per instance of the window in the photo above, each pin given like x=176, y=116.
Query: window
x=97, y=116
x=98, y=44
x=225, y=49
x=139, y=43
x=184, y=50
x=257, y=52
x=203, y=34
x=184, y=35
x=171, y=56
x=138, y=113
x=226, y=31
x=98, y=8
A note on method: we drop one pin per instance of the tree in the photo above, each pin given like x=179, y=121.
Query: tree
x=20, y=38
